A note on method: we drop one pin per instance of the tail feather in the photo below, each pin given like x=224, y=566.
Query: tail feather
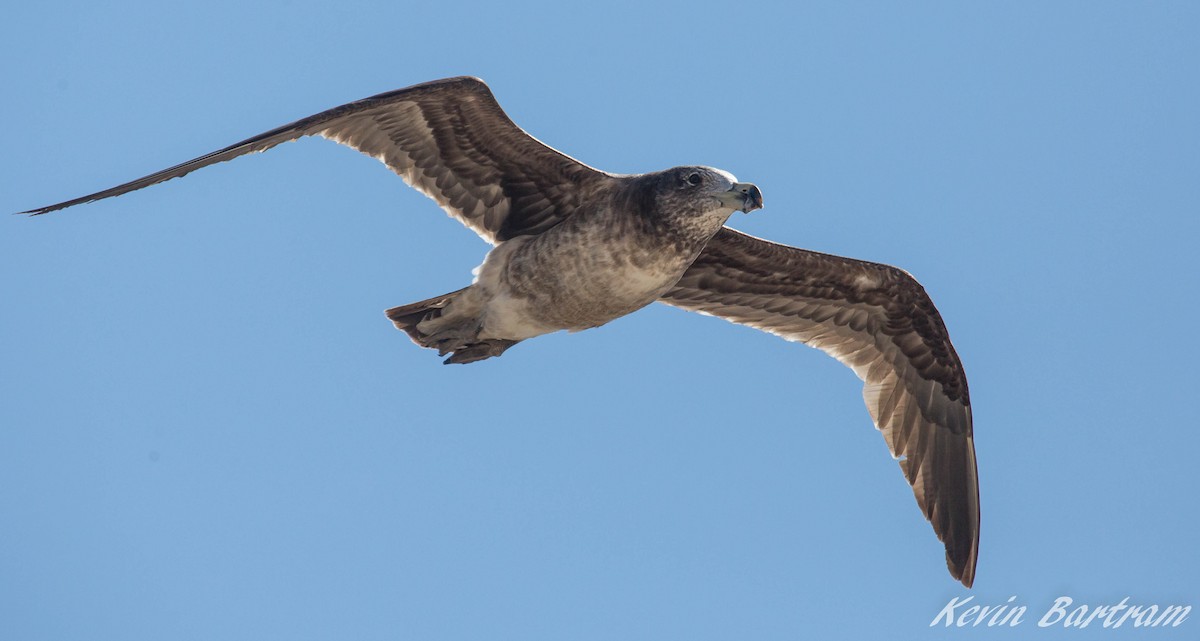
x=406, y=317
x=457, y=334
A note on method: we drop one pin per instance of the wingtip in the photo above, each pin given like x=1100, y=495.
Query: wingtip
x=964, y=569
x=965, y=575
x=37, y=212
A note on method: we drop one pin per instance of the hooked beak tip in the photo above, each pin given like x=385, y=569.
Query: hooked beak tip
x=751, y=196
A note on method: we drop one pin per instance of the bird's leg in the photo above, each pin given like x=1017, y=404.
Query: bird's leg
x=479, y=351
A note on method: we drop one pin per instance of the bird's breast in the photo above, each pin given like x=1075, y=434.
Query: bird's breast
x=573, y=281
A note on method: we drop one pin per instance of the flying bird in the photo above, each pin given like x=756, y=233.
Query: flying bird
x=576, y=247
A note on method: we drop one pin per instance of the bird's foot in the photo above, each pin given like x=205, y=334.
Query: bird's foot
x=479, y=351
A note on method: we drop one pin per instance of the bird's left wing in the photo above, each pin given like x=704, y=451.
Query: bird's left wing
x=880, y=322
x=448, y=138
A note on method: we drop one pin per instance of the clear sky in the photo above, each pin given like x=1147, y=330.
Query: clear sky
x=208, y=429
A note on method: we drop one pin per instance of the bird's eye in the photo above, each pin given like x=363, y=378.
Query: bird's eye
x=694, y=179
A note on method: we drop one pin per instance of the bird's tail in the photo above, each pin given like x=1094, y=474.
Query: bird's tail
x=407, y=317
x=447, y=330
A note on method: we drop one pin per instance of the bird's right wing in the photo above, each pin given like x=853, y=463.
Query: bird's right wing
x=880, y=322
x=448, y=138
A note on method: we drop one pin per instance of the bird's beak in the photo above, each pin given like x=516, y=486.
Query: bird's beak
x=743, y=196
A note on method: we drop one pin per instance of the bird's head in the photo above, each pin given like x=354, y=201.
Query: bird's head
x=694, y=201
x=706, y=190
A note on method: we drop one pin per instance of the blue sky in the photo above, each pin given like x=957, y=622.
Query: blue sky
x=208, y=430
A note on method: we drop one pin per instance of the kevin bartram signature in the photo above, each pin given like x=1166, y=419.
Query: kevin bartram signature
x=1064, y=612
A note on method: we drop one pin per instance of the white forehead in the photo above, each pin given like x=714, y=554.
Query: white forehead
x=724, y=174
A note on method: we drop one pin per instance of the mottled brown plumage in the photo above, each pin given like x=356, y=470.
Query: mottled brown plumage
x=879, y=321
x=449, y=139
x=577, y=247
